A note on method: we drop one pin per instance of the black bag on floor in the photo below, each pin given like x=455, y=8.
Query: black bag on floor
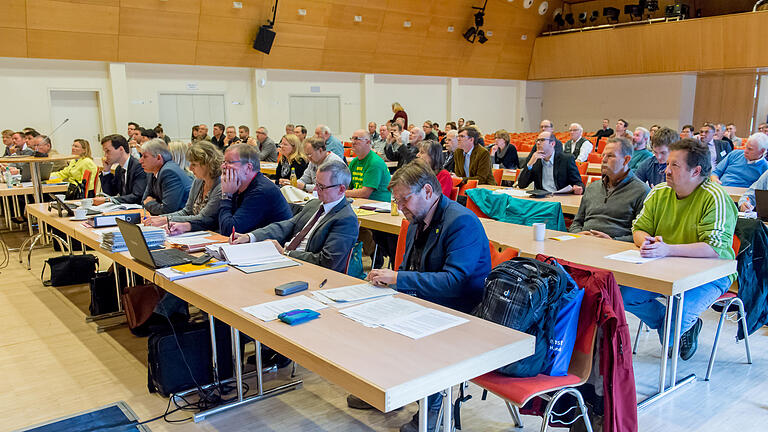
x=104, y=292
x=169, y=367
x=70, y=269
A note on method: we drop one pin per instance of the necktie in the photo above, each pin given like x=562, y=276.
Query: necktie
x=303, y=233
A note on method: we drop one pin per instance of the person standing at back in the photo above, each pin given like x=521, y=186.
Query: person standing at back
x=399, y=112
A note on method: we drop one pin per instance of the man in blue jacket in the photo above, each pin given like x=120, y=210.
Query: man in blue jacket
x=446, y=253
x=249, y=200
x=167, y=184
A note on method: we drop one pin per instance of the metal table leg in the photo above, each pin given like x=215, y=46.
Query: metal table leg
x=423, y=408
x=447, y=411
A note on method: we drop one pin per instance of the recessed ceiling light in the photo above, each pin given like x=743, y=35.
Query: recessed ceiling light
x=358, y=18
x=489, y=33
x=302, y=12
x=406, y=23
x=450, y=28
x=524, y=37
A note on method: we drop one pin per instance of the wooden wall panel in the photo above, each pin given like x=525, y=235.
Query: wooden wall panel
x=725, y=98
x=75, y=17
x=186, y=6
x=156, y=50
x=252, y=9
x=224, y=54
x=64, y=45
x=299, y=36
x=13, y=42
x=233, y=30
x=14, y=13
x=161, y=24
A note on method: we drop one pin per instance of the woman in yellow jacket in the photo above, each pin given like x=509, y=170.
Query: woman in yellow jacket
x=73, y=173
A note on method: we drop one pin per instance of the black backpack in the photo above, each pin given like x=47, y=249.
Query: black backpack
x=523, y=294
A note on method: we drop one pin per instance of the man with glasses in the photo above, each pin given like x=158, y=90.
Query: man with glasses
x=547, y=126
x=446, y=256
x=450, y=144
x=405, y=152
x=686, y=132
x=578, y=146
x=429, y=133
x=249, y=200
x=549, y=170
x=267, y=147
x=324, y=231
x=370, y=175
x=167, y=184
x=315, y=150
x=471, y=160
x=718, y=149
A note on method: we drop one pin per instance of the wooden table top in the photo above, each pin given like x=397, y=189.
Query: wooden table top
x=26, y=159
x=393, y=371
x=29, y=190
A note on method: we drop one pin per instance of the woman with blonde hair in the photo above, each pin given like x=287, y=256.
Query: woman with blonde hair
x=75, y=170
x=290, y=157
x=179, y=153
x=399, y=113
x=202, y=209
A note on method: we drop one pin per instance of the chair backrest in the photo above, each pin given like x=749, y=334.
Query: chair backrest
x=736, y=245
x=475, y=209
x=497, y=175
x=400, y=249
x=583, y=166
x=454, y=193
x=97, y=181
x=470, y=184
x=584, y=179
x=87, y=182
x=456, y=180
x=500, y=257
x=595, y=158
x=347, y=152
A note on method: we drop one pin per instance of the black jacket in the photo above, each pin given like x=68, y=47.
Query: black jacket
x=509, y=160
x=753, y=272
x=723, y=148
x=564, y=171
x=129, y=192
x=404, y=154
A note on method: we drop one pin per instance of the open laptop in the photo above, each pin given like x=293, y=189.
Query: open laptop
x=137, y=247
x=761, y=204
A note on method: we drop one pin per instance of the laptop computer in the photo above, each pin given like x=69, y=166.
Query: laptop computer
x=137, y=247
x=761, y=204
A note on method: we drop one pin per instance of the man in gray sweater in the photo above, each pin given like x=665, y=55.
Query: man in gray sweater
x=610, y=205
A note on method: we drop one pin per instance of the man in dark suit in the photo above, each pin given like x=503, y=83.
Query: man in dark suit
x=471, y=160
x=167, y=184
x=446, y=254
x=128, y=183
x=324, y=231
x=718, y=149
x=550, y=170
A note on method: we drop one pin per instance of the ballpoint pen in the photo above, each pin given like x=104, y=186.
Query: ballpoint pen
x=322, y=284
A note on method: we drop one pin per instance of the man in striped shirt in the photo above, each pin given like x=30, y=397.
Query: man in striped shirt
x=688, y=216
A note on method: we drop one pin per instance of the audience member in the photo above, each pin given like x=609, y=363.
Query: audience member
x=301, y=132
x=471, y=160
x=291, y=160
x=549, y=170
x=248, y=199
x=195, y=131
x=653, y=170
x=621, y=129
x=202, y=133
x=763, y=127
x=218, y=136
x=718, y=149
x=460, y=123
x=201, y=213
x=317, y=154
x=546, y=126
x=720, y=134
x=244, y=133
x=741, y=168
x=161, y=133
x=29, y=136
x=730, y=131
x=132, y=128
x=641, y=153
x=129, y=181
x=230, y=136
x=686, y=132
x=687, y=216
x=578, y=146
x=653, y=130
x=178, y=151
x=611, y=204
x=324, y=231
x=167, y=185
x=8, y=142
x=450, y=144
x=267, y=147
x=406, y=152
x=289, y=128
x=380, y=143
x=503, y=153
x=429, y=134
x=373, y=131
x=370, y=175
x=604, y=132
x=431, y=152
x=747, y=201
x=399, y=112
x=332, y=143
x=75, y=170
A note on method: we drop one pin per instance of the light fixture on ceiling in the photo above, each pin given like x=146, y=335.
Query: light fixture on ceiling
x=583, y=17
x=611, y=13
x=358, y=18
x=481, y=37
x=524, y=37
x=302, y=12
x=450, y=29
x=406, y=24
x=595, y=15
x=475, y=32
x=469, y=35
x=569, y=18
x=235, y=4
x=559, y=20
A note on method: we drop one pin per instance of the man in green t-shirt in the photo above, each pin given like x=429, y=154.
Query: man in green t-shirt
x=370, y=175
x=688, y=216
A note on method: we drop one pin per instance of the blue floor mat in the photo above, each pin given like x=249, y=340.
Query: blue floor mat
x=117, y=417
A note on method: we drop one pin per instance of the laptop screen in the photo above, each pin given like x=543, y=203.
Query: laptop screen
x=761, y=204
x=134, y=239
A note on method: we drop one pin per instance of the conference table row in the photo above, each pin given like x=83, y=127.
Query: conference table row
x=12, y=206
x=386, y=369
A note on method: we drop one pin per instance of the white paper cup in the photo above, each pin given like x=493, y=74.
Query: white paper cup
x=81, y=213
x=86, y=202
x=539, y=231
x=496, y=166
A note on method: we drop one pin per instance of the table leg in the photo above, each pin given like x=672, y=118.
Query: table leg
x=36, y=185
x=7, y=212
x=29, y=217
x=423, y=408
x=676, y=342
x=447, y=411
x=214, y=353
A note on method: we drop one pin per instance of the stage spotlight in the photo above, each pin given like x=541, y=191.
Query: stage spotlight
x=583, y=17
x=479, y=19
x=469, y=35
x=481, y=37
x=634, y=11
x=569, y=18
x=652, y=5
x=595, y=15
x=611, y=13
x=559, y=20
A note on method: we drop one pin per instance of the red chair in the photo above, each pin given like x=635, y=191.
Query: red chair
x=86, y=183
x=347, y=152
x=516, y=392
x=583, y=166
x=456, y=180
x=595, y=158
x=470, y=184
x=454, y=193
x=475, y=209
x=499, y=257
x=584, y=179
x=497, y=175
x=400, y=249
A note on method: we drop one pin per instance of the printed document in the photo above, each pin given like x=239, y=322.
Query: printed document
x=630, y=256
x=270, y=311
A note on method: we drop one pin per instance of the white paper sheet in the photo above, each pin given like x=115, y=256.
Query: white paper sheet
x=379, y=312
x=378, y=205
x=270, y=311
x=565, y=237
x=424, y=323
x=356, y=292
x=511, y=192
x=251, y=253
x=630, y=256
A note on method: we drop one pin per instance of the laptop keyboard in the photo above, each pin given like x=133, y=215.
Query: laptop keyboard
x=170, y=257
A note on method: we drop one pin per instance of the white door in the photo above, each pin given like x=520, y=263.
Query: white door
x=311, y=111
x=80, y=109
x=532, y=116
x=179, y=112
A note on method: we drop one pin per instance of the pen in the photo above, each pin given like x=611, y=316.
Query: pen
x=233, y=233
x=322, y=284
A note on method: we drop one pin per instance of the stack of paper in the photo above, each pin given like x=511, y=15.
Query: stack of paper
x=270, y=311
x=351, y=295
x=195, y=241
x=511, y=192
x=402, y=316
x=191, y=270
x=113, y=241
x=110, y=207
x=377, y=206
x=251, y=257
x=630, y=256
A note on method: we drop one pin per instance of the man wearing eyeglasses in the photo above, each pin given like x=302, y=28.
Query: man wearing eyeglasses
x=370, y=175
x=267, y=147
x=249, y=200
x=552, y=171
x=324, y=231
x=471, y=160
x=547, y=126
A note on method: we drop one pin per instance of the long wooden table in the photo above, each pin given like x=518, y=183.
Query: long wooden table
x=23, y=191
x=35, y=169
x=385, y=369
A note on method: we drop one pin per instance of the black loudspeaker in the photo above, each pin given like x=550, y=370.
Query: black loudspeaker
x=264, y=39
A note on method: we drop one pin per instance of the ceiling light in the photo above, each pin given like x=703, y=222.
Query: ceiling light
x=583, y=17
x=358, y=18
x=469, y=35
x=594, y=16
x=611, y=13
x=569, y=18
x=302, y=12
x=406, y=24
x=450, y=29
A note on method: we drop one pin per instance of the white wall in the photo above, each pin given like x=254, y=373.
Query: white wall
x=422, y=98
x=492, y=104
x=666, y=100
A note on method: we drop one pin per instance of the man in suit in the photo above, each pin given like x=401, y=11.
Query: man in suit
x=718, y=149
x=129, y=181
x=446, y=256
x=471, y=160
x=267, y=147
x=550, y=170
x=324, y=231
x=218, y=136
x=578, y=146
x=547, y=126
x=167, y=185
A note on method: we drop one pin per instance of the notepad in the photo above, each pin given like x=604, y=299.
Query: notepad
x=356, y=292
x=512, y=192
x=191, y=270
x=248, y=253
x=565, y=237
x=196, y=242
x=630, y=256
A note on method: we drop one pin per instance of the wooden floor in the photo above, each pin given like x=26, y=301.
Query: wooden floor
x=53, y=364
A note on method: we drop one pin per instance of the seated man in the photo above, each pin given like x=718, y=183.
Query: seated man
x=167, y=185
x=610, y=205
x=471, y=160
x=446, y=255
x=450, y=143
x=652, y=170
x=741, y=168
x=324, y=231
x=370, y=175
x=747, y=201
x=549, y=170
x=332, y=143
x=128, y=183
x=315, y=150
x=641, y=153
x=267, y=147
x=578, y=146
x=688, y=216
x=406, y=152
x=249, y=200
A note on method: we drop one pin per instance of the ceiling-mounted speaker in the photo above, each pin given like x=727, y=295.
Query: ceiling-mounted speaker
x=264, y=39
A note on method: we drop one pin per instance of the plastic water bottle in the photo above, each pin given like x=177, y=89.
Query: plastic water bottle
x=294, y=180
x=8, y=177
